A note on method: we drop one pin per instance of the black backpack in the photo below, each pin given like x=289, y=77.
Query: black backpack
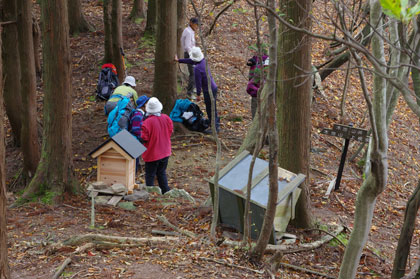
x=107, y=82
x=196, y=122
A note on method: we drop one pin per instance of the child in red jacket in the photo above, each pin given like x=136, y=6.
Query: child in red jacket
x=156, y=133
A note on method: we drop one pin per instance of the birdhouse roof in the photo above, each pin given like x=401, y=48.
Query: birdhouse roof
x=126, y=142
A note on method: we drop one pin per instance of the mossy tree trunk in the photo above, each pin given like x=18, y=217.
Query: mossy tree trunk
x=138, y=10
x=150, y=29
x=11, y=66
x=54, y=175
x=117, y=41
x=4, y=264
x=77, y=21
x=30, y=144
x=164, y=85
x=108, y=31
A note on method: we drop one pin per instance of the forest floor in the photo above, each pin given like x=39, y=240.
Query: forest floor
x=34, y=226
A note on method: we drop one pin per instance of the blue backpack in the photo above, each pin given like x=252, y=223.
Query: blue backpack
x=119, y=117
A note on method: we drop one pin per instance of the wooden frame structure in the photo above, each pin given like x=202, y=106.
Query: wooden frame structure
x=232, y=195
x=117, y=160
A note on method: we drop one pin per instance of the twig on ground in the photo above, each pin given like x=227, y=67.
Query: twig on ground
x=231, y=265
x=327, y=232
x=61, y=268
x=175, y=228
x=295, y=267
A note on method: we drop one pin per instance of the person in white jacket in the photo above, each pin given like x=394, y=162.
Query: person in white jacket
x=187, y=43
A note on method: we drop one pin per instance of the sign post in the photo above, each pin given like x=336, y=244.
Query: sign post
x=348, y=133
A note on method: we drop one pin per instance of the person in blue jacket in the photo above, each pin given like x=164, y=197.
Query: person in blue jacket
x=201, y=83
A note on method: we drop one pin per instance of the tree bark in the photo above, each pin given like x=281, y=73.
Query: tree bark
x=77, y=21
x=406, y=235
x=181, y=21
x=11, y=72
x=294, y=102
x=164, y=85
x=138, y=10
x=376, y=180
x=55, y=174
x=108, y=31
x=117, y=41
x=273, y=138
x=151, y=17
x=36, y=32
x=30, y=144
x=4, y=264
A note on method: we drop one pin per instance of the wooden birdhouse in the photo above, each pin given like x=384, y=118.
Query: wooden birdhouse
x=117, y=159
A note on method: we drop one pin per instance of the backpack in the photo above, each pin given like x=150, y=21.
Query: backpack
x=193, y=118
x=107, y=82
x=119, y=117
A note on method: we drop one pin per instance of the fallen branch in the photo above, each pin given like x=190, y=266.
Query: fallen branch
x=326, y=232
x=158, y=232
x=175, y=228
x=231, y=265
x=69, y=259
x=288, y=249
x=306, y=270
x=61, y=268
x=99, y=238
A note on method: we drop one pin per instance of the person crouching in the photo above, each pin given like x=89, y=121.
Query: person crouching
x=156, y=134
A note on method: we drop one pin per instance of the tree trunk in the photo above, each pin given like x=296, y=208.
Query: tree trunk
x=29, y=136
x=267, y=228
x=117, y=41
x=151, y=17
x=55, y=174
x=376, y=180
x=181, y=21
x=138, y=10
x=4, y=264
x=404, y=242
x=164, y=86
x=36, y=32
x=11, y=72
x=108, y=31
x=294, y=102
x=77, y=21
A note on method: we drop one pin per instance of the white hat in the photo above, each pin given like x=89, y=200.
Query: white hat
x=153, y=105
x=196, y=55
x=130, y=80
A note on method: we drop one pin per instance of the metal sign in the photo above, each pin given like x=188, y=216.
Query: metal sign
x=348, y=133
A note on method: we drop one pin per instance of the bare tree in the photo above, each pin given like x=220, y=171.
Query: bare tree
x=55, y=174
x=30, y=144
x=11, y=66
x=258, y=251
x=4, y=264
x=164, y=85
